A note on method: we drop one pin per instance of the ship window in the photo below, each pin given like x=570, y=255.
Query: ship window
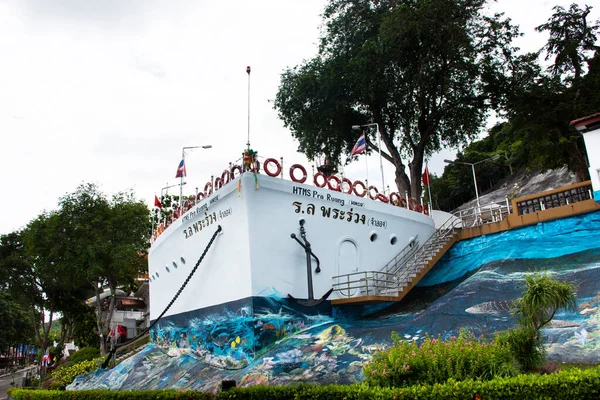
x=167, y=268
x=373, y=236
x=157, y=275
x=393, y=240
x=182, y=260
x=174, y=264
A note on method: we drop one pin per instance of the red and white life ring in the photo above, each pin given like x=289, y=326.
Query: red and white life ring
x=208, y=188
x=236, y=168
x=338, y=183
x=402, y=202
x=412, y=204
x=372, y=196
x=315, y=180
x=293, y=177
x=426, y=210
x=361, y=184
x=218, y=183
x=419, y=208
x=225, y=174
x=383, y=198
x=200, y=196
x=350, y=186
x=266, y=167
x=395, y=199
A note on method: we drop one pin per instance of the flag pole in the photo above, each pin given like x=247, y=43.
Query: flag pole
x=429, y=187
x=248, y=71
x=181, y=182
x=366, y=164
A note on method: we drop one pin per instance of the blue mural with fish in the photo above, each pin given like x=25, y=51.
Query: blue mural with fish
x=269, y=341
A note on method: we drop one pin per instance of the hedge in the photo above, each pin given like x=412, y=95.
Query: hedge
x=571, y=384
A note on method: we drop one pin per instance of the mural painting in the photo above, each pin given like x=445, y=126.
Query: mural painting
x=267, y=341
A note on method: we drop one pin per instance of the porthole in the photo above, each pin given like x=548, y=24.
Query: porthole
x=167, y=268
x=182, y=260
x=373, y=236
x=174, y=264
x=393, y=240
x=157, y=275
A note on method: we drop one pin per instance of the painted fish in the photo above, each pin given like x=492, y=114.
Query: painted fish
x=491, y=308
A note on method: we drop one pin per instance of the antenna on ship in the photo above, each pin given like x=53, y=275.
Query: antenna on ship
x=248, y=71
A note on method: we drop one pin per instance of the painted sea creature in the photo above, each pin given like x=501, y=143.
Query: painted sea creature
x=490, y=308
x=582, y=336
x=559, y=323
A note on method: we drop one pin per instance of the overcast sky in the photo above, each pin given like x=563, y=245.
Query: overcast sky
x=109, y=91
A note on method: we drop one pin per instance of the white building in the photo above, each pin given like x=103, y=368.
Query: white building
x=590, y=128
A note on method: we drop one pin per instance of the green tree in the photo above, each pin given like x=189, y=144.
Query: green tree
x=542, y=297
x=572, y=41
x=108, y=239
x=425, y=71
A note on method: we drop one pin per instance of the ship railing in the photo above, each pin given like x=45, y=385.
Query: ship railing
x=365, y=283
x=400, y=259
x=484, y=214
x=225, y=177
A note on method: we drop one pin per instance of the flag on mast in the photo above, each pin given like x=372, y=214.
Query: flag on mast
x=157, y=202
x=360, y=146
x=181, y=170
x=426, y=180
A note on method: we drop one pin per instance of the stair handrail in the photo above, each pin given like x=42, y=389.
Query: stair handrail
x=445, y=230
x=408, y=250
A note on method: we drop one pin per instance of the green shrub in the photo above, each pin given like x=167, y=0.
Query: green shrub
x=436, y=361
x=525, y=345
x=66, y=375
x=572, y=384
x=85, y=354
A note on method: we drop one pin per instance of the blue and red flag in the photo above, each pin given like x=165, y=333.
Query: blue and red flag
x=181, y=170
x=360, y=146
x=46, y=358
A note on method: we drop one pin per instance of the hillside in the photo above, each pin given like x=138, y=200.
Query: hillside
x=522, y=183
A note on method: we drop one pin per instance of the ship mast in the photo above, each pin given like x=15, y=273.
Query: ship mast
x=248, y=71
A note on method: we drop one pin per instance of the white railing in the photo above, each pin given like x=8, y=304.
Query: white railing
x=484, y=214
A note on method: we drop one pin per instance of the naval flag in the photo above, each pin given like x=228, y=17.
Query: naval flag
x=181, y=170
x=360, y=146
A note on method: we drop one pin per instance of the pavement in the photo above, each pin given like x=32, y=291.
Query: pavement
x=14, y=379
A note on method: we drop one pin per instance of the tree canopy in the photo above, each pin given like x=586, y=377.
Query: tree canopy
x=425, y=71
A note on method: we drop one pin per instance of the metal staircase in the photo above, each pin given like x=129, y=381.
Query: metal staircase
x=398, y=276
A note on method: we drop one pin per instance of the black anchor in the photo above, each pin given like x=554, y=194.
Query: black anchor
x=310, y=302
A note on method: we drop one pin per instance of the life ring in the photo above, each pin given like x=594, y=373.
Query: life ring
x=349, y=182
x=315, y=180
x=419, y=208
x=426, y=210
x=266, y=167
x=402, y=202
x=218, y=183
x=395, y=199
x=235, y=168
x=225, y=174
x=200, y=196
x=361, y=184
x=383, y=198
x=412, y=204
x=293, y=177
x=338, y=187
x=374, y=196
x=208, y=188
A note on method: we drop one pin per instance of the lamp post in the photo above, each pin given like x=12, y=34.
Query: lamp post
x=207, y=146
x=357, y=128
x=474, y=177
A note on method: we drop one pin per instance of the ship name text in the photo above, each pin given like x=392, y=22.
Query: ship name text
x=328, y=212
x=315, y=194
x=208, y=220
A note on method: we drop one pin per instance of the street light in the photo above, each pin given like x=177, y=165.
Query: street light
x=357, y=128
x=207, y=146
x=474, y=177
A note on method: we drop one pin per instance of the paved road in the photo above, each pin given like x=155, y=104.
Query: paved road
x=12, y=380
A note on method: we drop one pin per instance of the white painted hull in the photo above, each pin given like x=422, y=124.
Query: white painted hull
x=255, y=255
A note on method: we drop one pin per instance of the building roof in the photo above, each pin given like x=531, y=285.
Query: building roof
x=586, y=124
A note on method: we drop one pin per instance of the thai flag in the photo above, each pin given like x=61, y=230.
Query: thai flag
x=360, y=146
x=46, y=358
x=181, y=170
